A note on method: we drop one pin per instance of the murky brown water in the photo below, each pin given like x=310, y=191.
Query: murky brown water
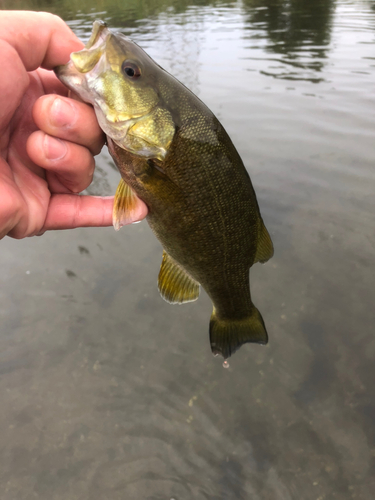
x=106, y=391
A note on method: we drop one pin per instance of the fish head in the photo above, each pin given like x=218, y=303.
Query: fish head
x=120, y=80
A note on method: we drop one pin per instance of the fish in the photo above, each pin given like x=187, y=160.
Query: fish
x=175, y=156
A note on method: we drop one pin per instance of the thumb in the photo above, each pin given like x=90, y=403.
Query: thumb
x=40, y=39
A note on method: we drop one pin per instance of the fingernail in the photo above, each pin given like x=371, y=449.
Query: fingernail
x=54, y=149
x=62, y=113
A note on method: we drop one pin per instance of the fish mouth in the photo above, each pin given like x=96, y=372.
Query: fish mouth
x=99, y=33
x=85, y=59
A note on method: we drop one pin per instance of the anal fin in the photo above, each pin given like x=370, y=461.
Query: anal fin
x=264, y=247
x=175, y=285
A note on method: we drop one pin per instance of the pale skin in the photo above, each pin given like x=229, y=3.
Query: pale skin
x=47, y=140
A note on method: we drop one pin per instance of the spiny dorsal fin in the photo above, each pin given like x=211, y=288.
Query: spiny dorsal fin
x=125, y=207
x=175, y=285
x=265, y=247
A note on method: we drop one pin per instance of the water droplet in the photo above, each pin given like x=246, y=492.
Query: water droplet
x=225, y=364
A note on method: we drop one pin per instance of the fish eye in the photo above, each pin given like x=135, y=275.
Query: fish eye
x=130, y=70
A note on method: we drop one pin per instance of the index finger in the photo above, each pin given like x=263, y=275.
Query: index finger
x=40, y=39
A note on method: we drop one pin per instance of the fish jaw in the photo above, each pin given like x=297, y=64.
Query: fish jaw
x=74, y=74
x=99, y=33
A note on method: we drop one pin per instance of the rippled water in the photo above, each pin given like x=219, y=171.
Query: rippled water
x=110, y=393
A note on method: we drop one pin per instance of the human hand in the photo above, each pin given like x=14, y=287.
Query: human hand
x=47, y=140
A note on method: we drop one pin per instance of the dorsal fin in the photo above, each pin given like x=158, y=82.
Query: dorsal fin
x=175, y=285
x=265, y=247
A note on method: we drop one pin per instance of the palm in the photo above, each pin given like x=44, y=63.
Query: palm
x=24, y=181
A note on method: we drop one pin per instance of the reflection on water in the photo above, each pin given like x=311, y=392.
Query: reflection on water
x=107, y=391
x=293, y=25
x=298, y=31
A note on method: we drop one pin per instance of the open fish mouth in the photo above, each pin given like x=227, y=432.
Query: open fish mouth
x=99, y=33
x=85, y=60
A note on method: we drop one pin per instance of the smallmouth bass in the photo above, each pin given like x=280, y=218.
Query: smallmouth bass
x=174, y=154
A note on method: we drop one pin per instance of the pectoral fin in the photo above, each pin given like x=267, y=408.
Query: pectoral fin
x=126, y=206
x=265, y=247
x=175, y=285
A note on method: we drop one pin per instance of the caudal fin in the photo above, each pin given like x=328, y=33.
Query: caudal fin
x=226, y=335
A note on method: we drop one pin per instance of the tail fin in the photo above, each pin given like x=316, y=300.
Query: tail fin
x=228, y=335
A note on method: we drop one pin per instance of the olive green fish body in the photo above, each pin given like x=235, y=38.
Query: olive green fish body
x=178, y=159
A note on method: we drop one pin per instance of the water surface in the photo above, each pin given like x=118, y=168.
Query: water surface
x=110, y=393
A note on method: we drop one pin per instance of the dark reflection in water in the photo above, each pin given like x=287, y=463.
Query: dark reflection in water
x=106, y=391
x=299, y=31
x=292, y=25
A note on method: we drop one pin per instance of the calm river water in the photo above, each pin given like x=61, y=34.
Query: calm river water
x=109, y=393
